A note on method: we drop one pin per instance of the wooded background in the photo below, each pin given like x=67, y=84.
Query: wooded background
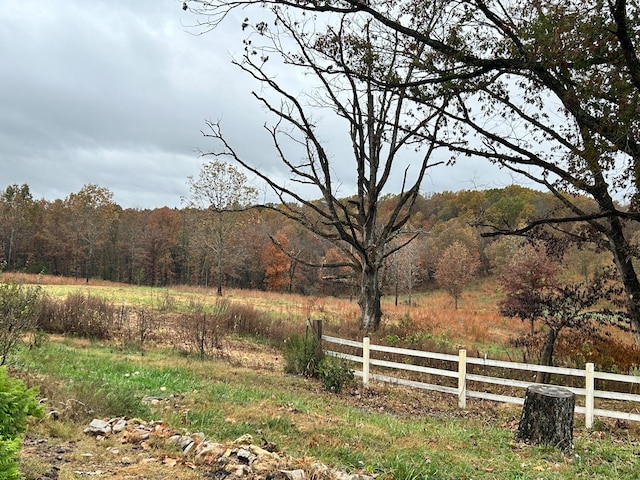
x=87, y=235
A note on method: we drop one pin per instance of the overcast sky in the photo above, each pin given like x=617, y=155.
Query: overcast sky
x=116, y=93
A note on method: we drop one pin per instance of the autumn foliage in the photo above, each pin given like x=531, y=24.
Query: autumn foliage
x=455, y=269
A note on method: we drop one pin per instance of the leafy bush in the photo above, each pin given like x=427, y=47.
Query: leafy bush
x=19, y=309
x=16, y=404
x=335, y=374
x=302, y=355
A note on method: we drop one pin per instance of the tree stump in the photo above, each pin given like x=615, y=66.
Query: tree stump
x=547, y=416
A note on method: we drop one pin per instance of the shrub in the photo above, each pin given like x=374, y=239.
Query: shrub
x=19, y=309
x=200, y=330
x=302, y=355
x=79, y=315
x=16, y=404
x=335, y=374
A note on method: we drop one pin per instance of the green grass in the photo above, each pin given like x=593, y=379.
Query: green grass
x=226, y=401
x=150, y=297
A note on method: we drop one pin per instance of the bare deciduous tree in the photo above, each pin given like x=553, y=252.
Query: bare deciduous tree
x=381, y=130
x=548, y=89
x=221, y=190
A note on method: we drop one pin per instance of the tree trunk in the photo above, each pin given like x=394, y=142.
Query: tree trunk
x=547, y=416
x=219, y=274
x=396, y=293
x=547, y=354
x=621, y=254
x=219, y=252
x=369, y=300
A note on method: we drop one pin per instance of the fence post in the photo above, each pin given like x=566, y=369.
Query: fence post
x=316, y=328
x=365, y=361
x=589, y=395
x=462, y=378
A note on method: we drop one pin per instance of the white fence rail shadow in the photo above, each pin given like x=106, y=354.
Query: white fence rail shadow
x=459, y=370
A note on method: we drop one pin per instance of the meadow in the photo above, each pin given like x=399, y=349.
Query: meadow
x=388, y=432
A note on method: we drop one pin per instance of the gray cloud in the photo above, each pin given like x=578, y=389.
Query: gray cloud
x=116, y=93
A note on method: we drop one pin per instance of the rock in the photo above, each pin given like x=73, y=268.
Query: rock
x=241, y=471
x=261, y=452
x=99, y=427
x=240, y=459
x=294, y=474
x=52, y=474
x=207, y=452
x=184, y=441
x=245, y=439
x=119, y=425
x=188, y=447
x=54, y=414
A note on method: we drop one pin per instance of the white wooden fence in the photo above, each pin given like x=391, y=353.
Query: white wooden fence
x=588, y=392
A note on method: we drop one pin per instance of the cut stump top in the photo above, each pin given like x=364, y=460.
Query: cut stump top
x=551, y=391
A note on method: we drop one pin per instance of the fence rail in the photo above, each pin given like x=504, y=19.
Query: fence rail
x=459, y=371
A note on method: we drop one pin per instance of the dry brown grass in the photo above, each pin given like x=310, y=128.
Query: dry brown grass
x=475, y=325
x=37, y=279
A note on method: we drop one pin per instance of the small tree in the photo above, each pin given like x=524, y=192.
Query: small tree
x=405, y=270
x=455, y=269
x=529, y=276
x=221, y=190
x=201, y=330
x=533, y=292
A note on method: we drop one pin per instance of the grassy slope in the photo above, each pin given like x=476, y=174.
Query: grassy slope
x=394, y=432
x=390, y=431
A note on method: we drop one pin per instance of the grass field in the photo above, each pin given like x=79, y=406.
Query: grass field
x=392, y=432
x=386, y=431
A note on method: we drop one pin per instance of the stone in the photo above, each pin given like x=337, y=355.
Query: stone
x=98, y=426
x=245, y=439
x=207, y=452
x=184, y=441
x=245, y=456
x=54, y=414
x=119, y=425
x=294, y=474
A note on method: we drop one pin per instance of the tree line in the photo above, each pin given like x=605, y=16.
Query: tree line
x=87, y=235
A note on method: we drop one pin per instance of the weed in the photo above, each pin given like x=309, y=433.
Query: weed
x=302, y=355
x=335, y=374
x=17, y=403
x=19, y=309
x=79, y=315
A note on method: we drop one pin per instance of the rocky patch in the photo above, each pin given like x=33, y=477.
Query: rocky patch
x=240, y=459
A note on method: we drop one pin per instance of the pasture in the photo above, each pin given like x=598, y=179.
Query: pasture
x=388, y=432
